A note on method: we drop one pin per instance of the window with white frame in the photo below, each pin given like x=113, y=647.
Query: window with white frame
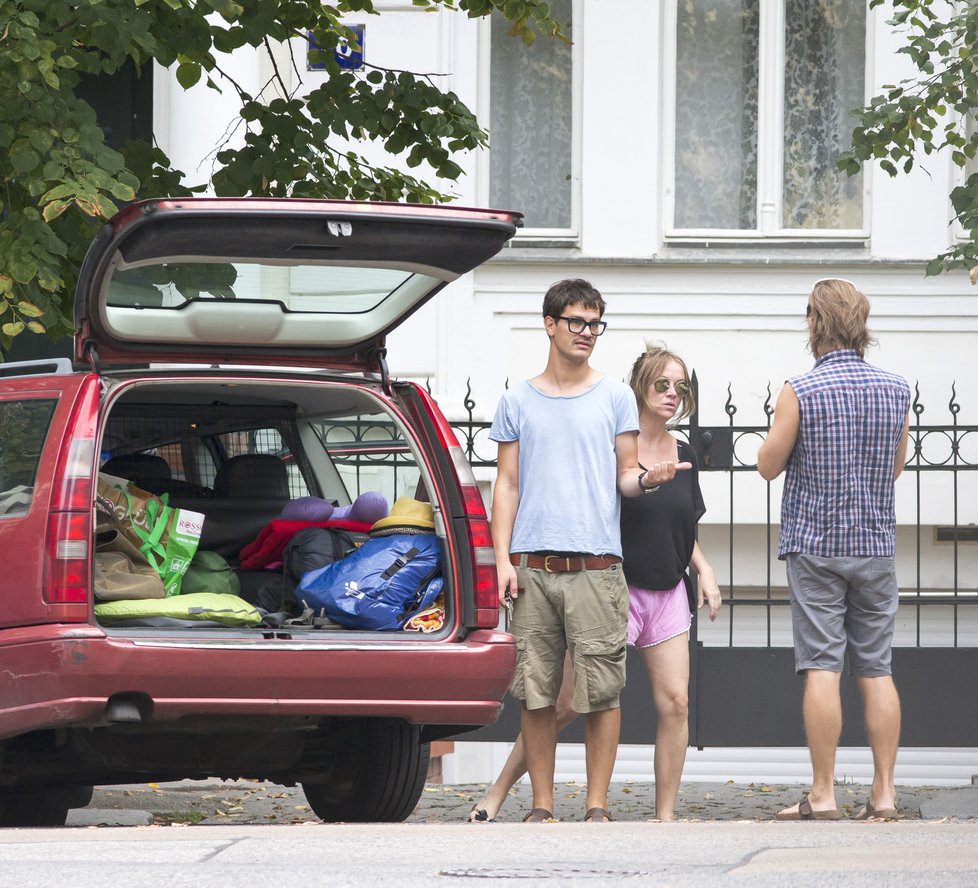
x=531, y=126
x=764, y=91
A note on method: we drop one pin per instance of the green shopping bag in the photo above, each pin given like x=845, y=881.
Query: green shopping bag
x=167, y=537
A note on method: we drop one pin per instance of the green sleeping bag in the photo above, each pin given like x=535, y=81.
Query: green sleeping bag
x=196, y=609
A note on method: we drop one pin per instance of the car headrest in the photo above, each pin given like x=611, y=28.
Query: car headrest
x=253, y=476
x=133, y=466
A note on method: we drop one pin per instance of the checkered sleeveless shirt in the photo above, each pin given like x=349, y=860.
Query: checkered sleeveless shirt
x=838, y=489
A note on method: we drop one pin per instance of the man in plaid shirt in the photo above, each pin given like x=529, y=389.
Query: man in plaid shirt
x=840, y=433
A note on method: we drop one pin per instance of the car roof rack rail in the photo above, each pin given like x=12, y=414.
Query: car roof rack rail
x=52, y=366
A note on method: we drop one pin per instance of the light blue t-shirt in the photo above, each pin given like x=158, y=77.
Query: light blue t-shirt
x=568, y=471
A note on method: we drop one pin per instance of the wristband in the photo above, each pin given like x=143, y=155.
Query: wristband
x=641, y=486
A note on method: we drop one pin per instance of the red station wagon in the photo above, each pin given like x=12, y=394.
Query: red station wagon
x=230, y=359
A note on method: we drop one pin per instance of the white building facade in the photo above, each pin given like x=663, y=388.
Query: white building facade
x=680, y=155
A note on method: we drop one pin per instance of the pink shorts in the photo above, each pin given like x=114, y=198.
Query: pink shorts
x=654, y=617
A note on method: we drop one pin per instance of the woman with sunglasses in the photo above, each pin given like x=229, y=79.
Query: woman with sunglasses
x=658, y=534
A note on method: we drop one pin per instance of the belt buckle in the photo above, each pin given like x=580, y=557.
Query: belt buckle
x=549, y=569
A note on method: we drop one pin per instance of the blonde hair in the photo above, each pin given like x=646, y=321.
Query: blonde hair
x=837, y=315
x=648, y=367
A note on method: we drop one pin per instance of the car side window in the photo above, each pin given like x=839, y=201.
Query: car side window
x=371, y=453
x=24, y=426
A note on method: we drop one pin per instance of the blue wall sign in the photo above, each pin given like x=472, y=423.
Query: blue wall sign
x=347, y=54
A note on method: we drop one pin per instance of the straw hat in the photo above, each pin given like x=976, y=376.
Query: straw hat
x=406, y=516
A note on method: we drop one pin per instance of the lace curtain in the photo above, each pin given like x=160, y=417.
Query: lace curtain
x=717, y=57
x=717, y=113
x=823, y=82
x=530, y=124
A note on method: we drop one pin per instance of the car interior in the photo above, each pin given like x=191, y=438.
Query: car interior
x=239, y=452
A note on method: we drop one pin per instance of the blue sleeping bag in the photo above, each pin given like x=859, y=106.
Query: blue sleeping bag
x=380, y=585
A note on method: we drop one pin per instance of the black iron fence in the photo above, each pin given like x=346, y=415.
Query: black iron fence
x=946, y=449
x=743, y=689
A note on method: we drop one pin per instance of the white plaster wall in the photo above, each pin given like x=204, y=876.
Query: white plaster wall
x=736, y=315
x=620, y=128
x=737, y=322
x=910, y=214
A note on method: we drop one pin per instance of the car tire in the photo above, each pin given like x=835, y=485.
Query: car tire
x=376, y=776
x=36, y=810
x=42, y=806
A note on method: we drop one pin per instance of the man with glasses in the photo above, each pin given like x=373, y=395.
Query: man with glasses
x=840, y=432
x=567, y=449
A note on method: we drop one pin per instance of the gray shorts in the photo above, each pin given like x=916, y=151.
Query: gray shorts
x=840, y=606
x=585, y=612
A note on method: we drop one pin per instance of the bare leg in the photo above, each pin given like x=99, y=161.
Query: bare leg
x=882, y=710
x=539, y=730
x=601, y=730
x=823, y=725
x=668, y=667
x=515, y=765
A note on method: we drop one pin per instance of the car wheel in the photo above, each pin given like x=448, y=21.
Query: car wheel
x=32, y=811
x=41, y=806
x=377, y=774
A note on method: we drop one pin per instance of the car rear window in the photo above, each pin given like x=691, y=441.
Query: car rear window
x=297, y=288
x=24, y=426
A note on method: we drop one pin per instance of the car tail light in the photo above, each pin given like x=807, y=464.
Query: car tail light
x=67, y=544
x=484, y=571
x=69, y=531
x=486, y=597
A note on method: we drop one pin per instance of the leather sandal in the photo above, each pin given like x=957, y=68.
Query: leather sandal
x=597, y=815
x=807, y=812
x=538, y=815
x=869, y=812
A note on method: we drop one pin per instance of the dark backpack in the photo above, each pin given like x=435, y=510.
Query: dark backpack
x=309, y=549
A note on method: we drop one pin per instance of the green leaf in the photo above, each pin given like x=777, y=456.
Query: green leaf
x=13, y=328
x=54, y=209
x=188, y=74
x=24, y=160
x=59, y=191
x=28, y=309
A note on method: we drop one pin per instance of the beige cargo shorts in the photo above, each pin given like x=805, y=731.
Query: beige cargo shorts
x=583, y=611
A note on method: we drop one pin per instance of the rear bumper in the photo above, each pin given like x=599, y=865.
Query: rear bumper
x=67, y=678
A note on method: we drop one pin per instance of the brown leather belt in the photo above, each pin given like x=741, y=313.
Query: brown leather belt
x=560, y=564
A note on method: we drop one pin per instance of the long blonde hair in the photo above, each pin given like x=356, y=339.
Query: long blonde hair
x=837, y=315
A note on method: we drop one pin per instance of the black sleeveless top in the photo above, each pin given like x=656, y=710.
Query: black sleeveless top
x=658, y=529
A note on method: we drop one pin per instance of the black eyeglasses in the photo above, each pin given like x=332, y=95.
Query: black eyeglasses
x=662, y=385
x=577, y=325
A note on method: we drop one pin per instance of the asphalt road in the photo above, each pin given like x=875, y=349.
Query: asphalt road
x=244, y=834
x=574, y=855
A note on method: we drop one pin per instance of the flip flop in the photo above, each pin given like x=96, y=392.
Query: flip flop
x=480, y=815
x=807, y=812
x=870, y=813
x=597, y=815
x=538, y=815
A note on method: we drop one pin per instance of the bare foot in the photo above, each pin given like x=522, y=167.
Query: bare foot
x=485, y=810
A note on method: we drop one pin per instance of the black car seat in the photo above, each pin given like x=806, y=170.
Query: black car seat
x=253, y=476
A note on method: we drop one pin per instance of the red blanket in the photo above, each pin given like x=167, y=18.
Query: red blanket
x=270, y=543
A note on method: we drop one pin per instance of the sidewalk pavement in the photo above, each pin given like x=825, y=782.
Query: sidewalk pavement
x=246, y=802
